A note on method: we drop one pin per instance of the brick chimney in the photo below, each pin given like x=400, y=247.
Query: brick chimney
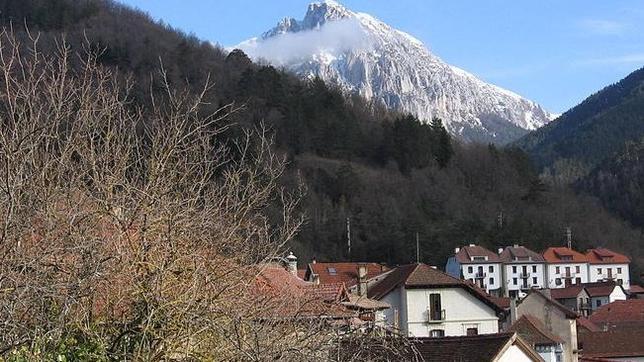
x=291, y=263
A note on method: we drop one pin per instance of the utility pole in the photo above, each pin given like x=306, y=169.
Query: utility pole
x=500, y=219
x=417, y=249
x=349, y=237
x=569, y=237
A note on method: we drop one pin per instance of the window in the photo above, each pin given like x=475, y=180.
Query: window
x=577, y=280
x=599, y=270
x=514, y=281
x=620, y=282
x=491, y=281
x=491, y=269
x=598, y=303
x=514, y=269
x=534, y=280
x=479, y=258
x=558, y=281
x=435, y=311
x=577, y=270
x=567, y=271
x=557, y=270
x=437, y=333
x=619, y=270
x=534, y=268
x=332, y=271
x=469, y=269
x=472, y=331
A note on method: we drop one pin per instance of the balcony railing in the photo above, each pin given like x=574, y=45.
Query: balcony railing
x=436, y=316
x=480, y=275
x=524, y=275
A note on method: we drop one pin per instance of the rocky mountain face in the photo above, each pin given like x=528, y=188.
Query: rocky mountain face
x=363, y=55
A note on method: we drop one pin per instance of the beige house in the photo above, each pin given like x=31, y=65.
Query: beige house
x=556, y=318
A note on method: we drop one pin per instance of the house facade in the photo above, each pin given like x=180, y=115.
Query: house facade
x=607, y=265
x=548, y=345
x=574, y=297
x=557, y=319
x=523, y=269
x=426, y=302
x=565, y=267
x=602, y=293
x=478, y=265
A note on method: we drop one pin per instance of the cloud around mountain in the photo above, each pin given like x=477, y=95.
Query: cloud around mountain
x=331, y=39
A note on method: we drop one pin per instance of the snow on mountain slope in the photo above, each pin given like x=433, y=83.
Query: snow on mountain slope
x=363, y=55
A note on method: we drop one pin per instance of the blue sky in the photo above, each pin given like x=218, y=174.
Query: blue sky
x=551, y=51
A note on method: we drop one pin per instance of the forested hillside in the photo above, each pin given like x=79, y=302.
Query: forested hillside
x=389, y=175
x=619, y=183
x=593, y=130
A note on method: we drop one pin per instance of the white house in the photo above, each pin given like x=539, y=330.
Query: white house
x=478, y=265
x=605, y=264
x=426, y=302
x=602, y=293
x=523, y=269
x=565, y=267
x=547, y=344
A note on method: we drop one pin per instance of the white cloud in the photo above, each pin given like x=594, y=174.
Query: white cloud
x=332, y=38
x=602, y=27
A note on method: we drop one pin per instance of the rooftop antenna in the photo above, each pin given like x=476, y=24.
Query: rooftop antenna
x=417, y=250
x=349, y=237
x=569, y=237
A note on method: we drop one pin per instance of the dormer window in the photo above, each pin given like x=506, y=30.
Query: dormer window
x=332, y=271
x=479, y=258
x=566, y=257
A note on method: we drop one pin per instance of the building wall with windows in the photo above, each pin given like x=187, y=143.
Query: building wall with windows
x=458, y=313
x=485, y=275
x=523, y=276
x=558, y=273
x=617, y=272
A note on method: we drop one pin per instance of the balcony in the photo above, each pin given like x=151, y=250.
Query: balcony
x=569, y=275
x=480, y=275
x=525, y=286
x=437, y=316
x=524, y=275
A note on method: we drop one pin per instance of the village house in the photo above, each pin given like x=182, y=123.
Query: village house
x=523, y=269
x=565, y=267
x=574, y=297
x=426, y=302
x=621, y=314
x=556, y=318
x=348, y=273
x=532, y=331
x=602, y=293
x=614, y=345
x=478, y=265
x=607, y=265
x=501, y=347
x=635, y=291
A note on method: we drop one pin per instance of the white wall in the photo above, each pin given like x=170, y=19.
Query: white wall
x=514, y=354
x=552, y=275
x=617, y=294
x=462, y=311
x=495, y=274
x=596, y=276
x=510, y=275
x=393, y=299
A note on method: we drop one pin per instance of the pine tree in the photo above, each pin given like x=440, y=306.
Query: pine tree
x=443, y=150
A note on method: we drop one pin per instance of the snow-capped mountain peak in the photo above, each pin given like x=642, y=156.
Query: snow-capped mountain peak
x=363, y=55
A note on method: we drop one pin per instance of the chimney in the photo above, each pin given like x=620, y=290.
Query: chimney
x=313, y=261
x=291, y=263
x=316, y=279
x=456, y=250
x=362, y=279
x=472, y=245
x=516, y=245
x=500, y=250
x=434, y=267
x=513, y=311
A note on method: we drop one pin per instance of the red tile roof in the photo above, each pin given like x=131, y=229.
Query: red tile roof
x=568, y=292
x=636, y=289
x=465, y=255
x=344, y=272
x=620, y=313
x=606, y=256
x=281, y=294
x=520, y=254
x=612, y=344
x=423, y=276
x=585, y=323
x=534, y=332
x=555, y=255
